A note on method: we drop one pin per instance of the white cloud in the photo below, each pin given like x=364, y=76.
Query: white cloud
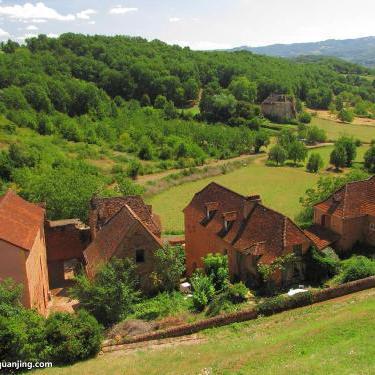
x=86, y=14
x=52, y=35
x=33, y=11
x=31, y=28
x=37, y=20
x=27, y=36
x=122, y=10
x=174, y=19
x=92, y=23
x=4, y=34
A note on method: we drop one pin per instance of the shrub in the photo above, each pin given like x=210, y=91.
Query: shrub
x=216, y=267
x=22, y=337
x=305, y=117
x=169, y=267
x=219, y=304
x=162, y=305
x=346, y=115
x=320, y=266
x=355, y=268
x=280, y=303
x=72, y=338
x=314, y=163
x=278, y=155
x=10, y=297
x=237, y=293
x=126, y=186
x=110, y=297
x=203, y=291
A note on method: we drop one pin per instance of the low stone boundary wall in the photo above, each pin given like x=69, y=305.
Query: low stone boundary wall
x=241, y=316
x=342, y=290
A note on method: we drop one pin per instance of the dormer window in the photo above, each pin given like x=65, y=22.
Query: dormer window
x=211, y=208
x=229, y=218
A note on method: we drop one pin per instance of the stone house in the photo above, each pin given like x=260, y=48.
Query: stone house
x=123, y=228
x=279, y=108
x=346, y=217
x=23, y=249
x=219, y=220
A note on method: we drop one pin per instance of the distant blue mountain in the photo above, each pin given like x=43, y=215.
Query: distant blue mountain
x=359, y=51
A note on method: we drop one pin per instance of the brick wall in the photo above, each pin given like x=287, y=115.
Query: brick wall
x=241, y=316
x=65, y=242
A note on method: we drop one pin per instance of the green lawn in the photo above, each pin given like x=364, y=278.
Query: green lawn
x=336, y=337
x=280, y=188
x=334, y=129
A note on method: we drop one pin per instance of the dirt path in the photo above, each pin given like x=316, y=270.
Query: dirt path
x=154, y=345
x=215, y=163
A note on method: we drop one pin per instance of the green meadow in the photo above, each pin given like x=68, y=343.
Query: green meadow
x=280, y=188
x=335, y=337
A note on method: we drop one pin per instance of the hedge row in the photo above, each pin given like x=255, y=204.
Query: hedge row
x=268, y=307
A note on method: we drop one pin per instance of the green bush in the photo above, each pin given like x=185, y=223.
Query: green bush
x=305, y=117
x=280, y=303
x=22, y=337
x=72, y=338
x=355, y=268
x=216, y=267
x=111, y=296
x=169, y=268
x=162, y=305
x=203, y=291
x=321, y=266
x=237, y=293
x=315, y=163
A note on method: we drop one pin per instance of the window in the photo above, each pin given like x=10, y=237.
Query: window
x=297, y=250
x=139, y=256
x=372, y=226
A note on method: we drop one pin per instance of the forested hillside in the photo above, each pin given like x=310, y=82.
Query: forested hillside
x=359, y=51
x=70, y=104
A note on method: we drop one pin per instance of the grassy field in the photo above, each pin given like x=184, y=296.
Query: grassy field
x=280, y=188
x=334, y=129
x=335, y=337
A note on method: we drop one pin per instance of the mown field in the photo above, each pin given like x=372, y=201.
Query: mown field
x=280, y=188
x=334, y=129
x=335, y=337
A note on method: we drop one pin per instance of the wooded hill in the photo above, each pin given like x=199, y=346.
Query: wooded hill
x=65, y=101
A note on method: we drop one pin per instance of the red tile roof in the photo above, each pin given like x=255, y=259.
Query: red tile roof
x=258, y=229
x=108, y=207
x=20, y=221
x=110, y=237
x=321, y=237
x=355, y=199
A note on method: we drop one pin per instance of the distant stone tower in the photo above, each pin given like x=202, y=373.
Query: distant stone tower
x=279, y=108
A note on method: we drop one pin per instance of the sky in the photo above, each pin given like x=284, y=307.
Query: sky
x=199, y=24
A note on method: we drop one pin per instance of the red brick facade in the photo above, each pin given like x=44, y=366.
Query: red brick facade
x=346, y=217
x=65, y=240
x=219, y=220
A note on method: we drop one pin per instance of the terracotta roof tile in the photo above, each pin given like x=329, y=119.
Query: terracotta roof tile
x=20, y=220
x=321, y=237
x=355, y=199
x=108, y=207
x=258, y=229
x=110, y=237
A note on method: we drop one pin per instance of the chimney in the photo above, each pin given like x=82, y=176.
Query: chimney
x=250, y=203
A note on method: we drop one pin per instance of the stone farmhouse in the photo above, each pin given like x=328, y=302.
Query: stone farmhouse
x=347, y=217
x=219, y=220
x=34, y=251
x=279, y=108
x=123, y=228
x=23, y=249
